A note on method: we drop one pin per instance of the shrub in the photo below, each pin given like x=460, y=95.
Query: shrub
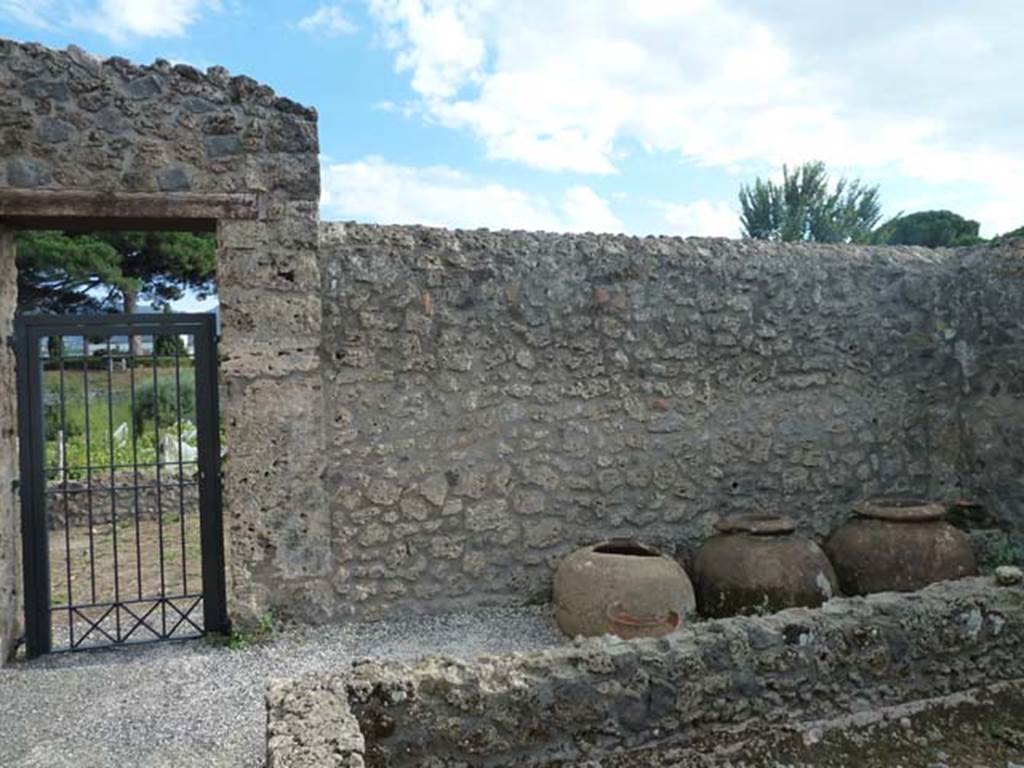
x=160, y=405
x=170, y=346
x=52, y=423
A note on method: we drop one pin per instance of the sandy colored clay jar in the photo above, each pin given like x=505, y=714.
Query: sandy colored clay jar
x=621, y=588
x=896, y=545
x=759, y=564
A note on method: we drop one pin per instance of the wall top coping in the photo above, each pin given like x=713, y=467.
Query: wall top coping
x=399, y=237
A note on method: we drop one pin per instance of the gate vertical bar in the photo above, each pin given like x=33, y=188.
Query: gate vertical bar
x=35, y=550
x=64, y=493
x=181, y=467
x=88, y=466
x=113, y=488
x=135, y=468
x=215, y=614
x=159, y=500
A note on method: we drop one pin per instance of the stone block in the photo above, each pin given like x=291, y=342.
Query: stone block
x=281, y=414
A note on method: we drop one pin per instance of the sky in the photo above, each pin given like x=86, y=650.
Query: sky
x=638, y=116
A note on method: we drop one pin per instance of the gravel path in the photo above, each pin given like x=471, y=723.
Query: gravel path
x=194, y=704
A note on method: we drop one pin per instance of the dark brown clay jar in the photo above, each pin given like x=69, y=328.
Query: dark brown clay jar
x=622, y=588
x=896, y=545
x=758, y=564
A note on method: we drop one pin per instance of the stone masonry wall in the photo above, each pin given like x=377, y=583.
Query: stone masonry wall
x=497, y=399
x=10, y=529
x=989, y=348
x=75, y=122
x=710, y=682
x=72, y=123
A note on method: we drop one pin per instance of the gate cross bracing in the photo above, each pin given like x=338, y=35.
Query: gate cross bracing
x=120, y=479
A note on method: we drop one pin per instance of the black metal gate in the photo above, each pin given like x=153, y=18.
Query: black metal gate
x=120, y=479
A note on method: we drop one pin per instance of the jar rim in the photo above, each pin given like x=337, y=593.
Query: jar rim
x=900, y=510
x=625, y=548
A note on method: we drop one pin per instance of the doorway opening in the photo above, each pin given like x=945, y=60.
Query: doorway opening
x=119, y=438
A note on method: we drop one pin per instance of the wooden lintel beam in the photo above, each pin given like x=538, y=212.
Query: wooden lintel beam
x=60, y=209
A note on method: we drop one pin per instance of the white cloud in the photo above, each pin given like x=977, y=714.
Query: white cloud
x=917, y=89
x=31, y=12
x=406, y=110
x=327, y=20
x=373, y=189
x=440, y=51
x=701, y=219
x=120, y=20
x=585, y=211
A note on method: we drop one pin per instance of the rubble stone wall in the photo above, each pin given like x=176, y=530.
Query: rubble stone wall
x=76, y=505
x=496, y=399
x=989, y=349
x=709, y=682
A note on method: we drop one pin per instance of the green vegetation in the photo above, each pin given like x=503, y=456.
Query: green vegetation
x=1007, y=553
x=932, y=229
x=169, y=347
x=161, y=406
x=806, y=206
x=260, y=633
x=99, y=362
x=1012, y=234
x=92, y=446
x=64, y=272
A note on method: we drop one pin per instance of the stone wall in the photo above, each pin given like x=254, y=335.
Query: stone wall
x=707, y=683
x=75, y=122
x=497, y=399
x=989, y=349
x=122, y=143
x=10, y=530
x=76, y=505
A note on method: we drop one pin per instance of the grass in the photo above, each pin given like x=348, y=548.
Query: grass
x=1008, y=553
x=246, y=637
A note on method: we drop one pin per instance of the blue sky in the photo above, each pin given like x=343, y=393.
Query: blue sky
x=642, y=116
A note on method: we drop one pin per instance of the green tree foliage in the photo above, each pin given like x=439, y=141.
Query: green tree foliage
x=932, y=229
x=169, y=346
x=1013, y=233
x=53, y=423
x=162, y=403
x=805, y=206
x=63, y=272
x=55, y=347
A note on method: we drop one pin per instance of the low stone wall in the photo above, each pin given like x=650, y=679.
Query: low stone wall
x=81, y=506
x=597, y=697
x=312, y=724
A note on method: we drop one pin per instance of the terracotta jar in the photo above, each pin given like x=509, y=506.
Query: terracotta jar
x=622, y=588
x=898, y=545
x=758, y=564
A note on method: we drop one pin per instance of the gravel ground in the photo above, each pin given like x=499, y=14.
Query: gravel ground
x=195, y=704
